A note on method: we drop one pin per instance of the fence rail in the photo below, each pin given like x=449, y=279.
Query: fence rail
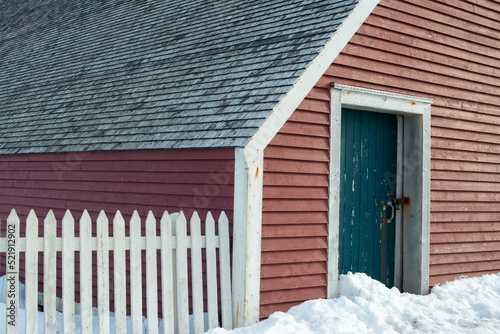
x=173, y=243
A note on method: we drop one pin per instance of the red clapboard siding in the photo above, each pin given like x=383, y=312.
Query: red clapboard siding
x=187, y=180
x=295, y=207
x=444, y=50
x=447, y=51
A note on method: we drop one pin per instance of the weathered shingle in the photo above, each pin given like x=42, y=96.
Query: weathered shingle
x=125, y=75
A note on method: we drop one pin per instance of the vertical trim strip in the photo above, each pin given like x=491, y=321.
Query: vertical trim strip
x=334, y=194
x=247, y=231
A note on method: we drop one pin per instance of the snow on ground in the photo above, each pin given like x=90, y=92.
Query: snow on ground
x=366, y=306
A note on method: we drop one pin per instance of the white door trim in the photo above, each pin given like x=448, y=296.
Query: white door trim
x=415, y=178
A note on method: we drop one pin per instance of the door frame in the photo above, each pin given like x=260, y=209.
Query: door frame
x=413, y=221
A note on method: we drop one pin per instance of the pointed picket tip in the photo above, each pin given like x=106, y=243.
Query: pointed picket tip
x=118, y=216
x=150, y=215
x=50, y=216
x=102, y=216
x=32, y=215
x=135, y=215
x=209, y=216
x=195, y=216
x=68, y=216
x=181, y=216
x=12, y=215
x=85, y=216
x=32, y=223
x=223, y=216
x=165, y=217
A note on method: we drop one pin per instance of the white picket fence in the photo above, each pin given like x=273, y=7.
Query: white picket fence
x=173, y=242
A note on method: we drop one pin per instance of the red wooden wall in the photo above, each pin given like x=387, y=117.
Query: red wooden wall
x=447, y=50
x=295, y=208
x=176, y=180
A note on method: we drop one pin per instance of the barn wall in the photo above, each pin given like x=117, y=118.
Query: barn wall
x=445, y=50
x=295, y=208
x=185, y=180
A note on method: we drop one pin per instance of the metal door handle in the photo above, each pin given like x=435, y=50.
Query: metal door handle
x=384, y=210
x=392, y=212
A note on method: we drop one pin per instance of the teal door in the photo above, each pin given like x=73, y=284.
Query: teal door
x=367, y=182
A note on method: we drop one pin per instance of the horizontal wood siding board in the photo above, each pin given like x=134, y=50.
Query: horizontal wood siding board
x=465, y=267
x=309, y=230
x=461, y=247
x=295, y=180
x=448, y=51
x=300, y=205
x=284, y=296
x=437, y=227
x=465, y=257
x=275, y=192
x=293, y=269
x=289, y=244
x=440, y=279
x=293, y=217
x=293, y=153
x=446, y=237
x=167, y=155
x=173, y=180
x=295, y=167
x=291, y=140
x=294, y=282
x=294, y=256
x=266, y=310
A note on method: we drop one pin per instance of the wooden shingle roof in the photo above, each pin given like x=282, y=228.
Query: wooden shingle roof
x=145, y=74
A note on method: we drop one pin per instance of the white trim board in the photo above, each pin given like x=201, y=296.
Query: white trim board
x=247, y=230
x=415, y=179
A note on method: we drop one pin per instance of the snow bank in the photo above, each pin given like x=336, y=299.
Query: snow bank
x=367, y=306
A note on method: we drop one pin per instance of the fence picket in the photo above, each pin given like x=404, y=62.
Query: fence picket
x=151, y=274
x=12, y=270
x=211, y=272
x=49, y=272
x=196, y=274
x=103, y=268
x=68, y=272
x=182, y=274
x=167, y=288
x=225, y=272
x=120, y=287
x=135, y=273
x=31, y=273
x=85, y=273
